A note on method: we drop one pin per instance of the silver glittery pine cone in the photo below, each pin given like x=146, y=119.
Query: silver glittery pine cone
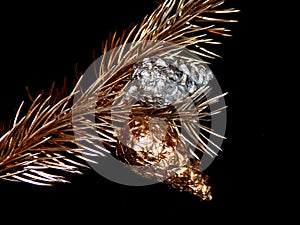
x=162, y=81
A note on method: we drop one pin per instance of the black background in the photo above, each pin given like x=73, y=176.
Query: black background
x=44, y=42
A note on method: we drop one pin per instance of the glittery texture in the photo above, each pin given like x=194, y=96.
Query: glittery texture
x=154, y=145
x=189, y=178
x=163, y=81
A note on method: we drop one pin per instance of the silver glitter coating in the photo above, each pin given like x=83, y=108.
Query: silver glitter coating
x=163, y=81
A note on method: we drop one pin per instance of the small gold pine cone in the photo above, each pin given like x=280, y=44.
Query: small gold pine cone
x=153, y=146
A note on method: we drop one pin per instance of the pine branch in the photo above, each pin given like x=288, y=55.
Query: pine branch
x=41, y=143
x=184, y=22
x=40, y=147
